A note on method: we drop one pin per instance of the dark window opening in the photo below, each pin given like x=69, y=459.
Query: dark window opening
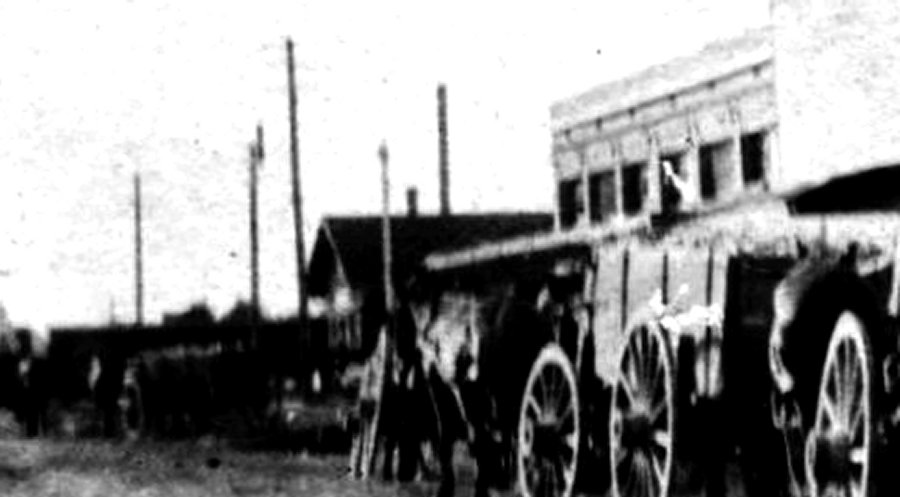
x=634, y=188
x=602, y=195
x=753, y=157
x=718, y=172
x=671, y=195
x=708, y=172
x=571, y=204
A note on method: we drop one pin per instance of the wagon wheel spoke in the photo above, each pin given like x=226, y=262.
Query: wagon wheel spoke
x=650, y=484
x=526, y=438
x=546, y=389
x=627, y=391
x=848, y=371
x=631, y=377
x=562, y=400
x=658, y=471
x=654, y=477
x=656, y=388
x=566, y=415
x=857, y=413
x=659, y=409
x=644, y=364
x=637, y=470
x=828, y=415
x=560, y=476
x=532, y=406
x=651, y=368
x=629, y=475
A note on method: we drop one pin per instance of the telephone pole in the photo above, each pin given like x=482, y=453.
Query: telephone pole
x=257, y=155
x=296, y=196
x=138, y=254
x=386, y=231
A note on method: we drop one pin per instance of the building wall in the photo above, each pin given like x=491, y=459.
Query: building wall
x=697, y=129
x=838, y=68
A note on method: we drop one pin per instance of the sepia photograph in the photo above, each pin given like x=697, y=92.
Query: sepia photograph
x=450, y=249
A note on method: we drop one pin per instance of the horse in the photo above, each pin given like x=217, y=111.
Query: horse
x=476, y=352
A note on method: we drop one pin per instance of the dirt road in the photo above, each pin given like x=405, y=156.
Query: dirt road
x=82, y=469
x=61, y=468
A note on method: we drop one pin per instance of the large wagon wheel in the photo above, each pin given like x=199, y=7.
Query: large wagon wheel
x=642, y=415
x=376, y=372
x=840, y=444
x=549, y=429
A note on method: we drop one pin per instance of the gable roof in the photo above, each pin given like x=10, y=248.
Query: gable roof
x=352, y=244
x=714, y=60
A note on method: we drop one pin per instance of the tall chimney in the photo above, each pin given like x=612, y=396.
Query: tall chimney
x=412, y=202
x=443, y=164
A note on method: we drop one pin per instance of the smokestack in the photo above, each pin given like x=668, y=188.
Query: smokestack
x=412, y=202
x=443, y=164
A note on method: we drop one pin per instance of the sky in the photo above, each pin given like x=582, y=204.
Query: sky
x=92, y=92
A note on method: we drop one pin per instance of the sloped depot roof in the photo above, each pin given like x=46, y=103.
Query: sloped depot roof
x=715, y=60
x=356, y=240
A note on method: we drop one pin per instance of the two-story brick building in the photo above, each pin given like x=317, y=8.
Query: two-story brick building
x=783, y=109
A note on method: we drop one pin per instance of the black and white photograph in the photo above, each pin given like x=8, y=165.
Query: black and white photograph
x=410, y=248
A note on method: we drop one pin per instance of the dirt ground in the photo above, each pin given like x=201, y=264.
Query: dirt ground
x=199, y=468
x=206, y=467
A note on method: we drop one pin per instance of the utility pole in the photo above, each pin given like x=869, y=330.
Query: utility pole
x=386, y=231
x=296, y=196
x=257, y=155
x=388, y=330
x=138, y=254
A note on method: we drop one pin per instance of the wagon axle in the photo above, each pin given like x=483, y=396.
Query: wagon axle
x=637, y=430
x=832, y=458
x=549, y=440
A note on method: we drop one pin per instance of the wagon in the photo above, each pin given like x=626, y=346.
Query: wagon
x=636, y=358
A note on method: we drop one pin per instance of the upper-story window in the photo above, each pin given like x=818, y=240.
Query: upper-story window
x=634, y=187
x=571, y=202
x=602, y=195
x=753, y=157
x=671, y=180
x=716, y=169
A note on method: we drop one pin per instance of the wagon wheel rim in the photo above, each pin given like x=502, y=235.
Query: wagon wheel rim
x=642, y=416
x=549, y=427
x=839, y=445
